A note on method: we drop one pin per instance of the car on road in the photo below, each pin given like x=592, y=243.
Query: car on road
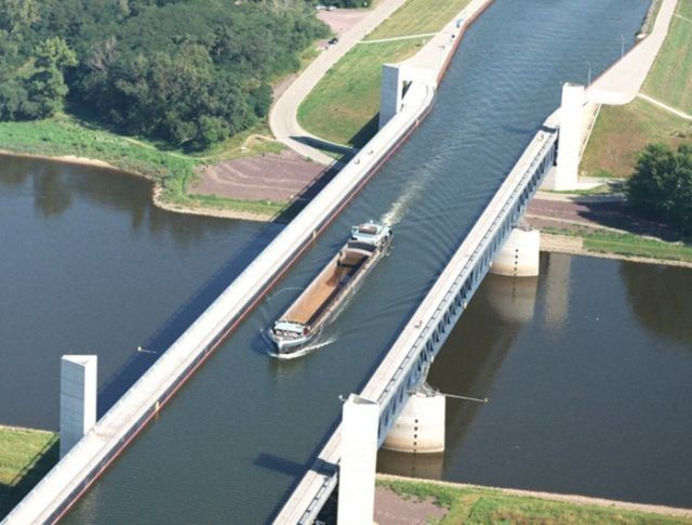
x=333, y=41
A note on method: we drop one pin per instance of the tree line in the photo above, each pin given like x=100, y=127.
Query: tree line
x=187, y=72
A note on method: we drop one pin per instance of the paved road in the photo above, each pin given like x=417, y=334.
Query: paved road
x=283, y=116
x=622, y=82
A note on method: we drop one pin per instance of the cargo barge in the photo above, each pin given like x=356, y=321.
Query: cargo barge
x=306, y=317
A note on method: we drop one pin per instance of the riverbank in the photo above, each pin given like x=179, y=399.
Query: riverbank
x=451, y=503
x=25, y=456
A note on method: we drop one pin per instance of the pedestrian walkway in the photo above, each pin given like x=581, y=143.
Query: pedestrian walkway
x=621, y=83
x=666, y=107
x=395, y=38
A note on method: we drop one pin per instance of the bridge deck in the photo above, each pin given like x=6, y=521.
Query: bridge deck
x=319, y=481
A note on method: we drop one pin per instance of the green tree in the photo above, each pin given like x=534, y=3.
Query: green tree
x=662, y=184
x=16, y=15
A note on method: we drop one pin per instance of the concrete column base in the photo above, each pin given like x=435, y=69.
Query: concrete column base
x=520, y=254
x=78, y=382
x=420, y=428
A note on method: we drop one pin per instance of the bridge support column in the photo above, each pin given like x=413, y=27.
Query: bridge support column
x=78, y=375
x=420, y=427
x=564, y=176
x=359, y=423
x=520, y=254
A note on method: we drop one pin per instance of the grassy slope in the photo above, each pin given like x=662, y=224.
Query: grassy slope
x=25, y=456
x=621, y=131
x=343, y=106
x=348, y=96
x=670, y=79
x=418, y=17
x=471, y=505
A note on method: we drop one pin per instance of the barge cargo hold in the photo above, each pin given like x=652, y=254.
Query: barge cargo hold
x=306, y=317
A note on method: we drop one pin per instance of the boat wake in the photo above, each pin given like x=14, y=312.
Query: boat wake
x=400, y=206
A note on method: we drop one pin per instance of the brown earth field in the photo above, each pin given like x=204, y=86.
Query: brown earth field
x=393, y=509
x=597, y=214
x=275, y=177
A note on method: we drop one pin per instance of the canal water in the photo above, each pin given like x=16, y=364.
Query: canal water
x=238, y=436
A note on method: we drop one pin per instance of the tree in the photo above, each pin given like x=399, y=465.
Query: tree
x=662, y=184
x=15, y=15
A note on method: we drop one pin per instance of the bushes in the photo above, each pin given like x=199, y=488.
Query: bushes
x=662, y=184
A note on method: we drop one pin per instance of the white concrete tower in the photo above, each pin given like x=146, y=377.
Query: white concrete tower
x=78, y=383
x=569, y=145
x=359, y=422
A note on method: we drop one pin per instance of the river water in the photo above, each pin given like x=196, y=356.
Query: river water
x=235, y=440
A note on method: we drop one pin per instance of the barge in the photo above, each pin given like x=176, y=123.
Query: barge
x=306, y=317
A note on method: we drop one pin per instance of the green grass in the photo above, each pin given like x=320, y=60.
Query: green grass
x=626, y=244
x=25, y=457
x=344, y=105
x=670, y=78
x=418, y=17
x=483, y=506
x=622, y=131
x=174, y=170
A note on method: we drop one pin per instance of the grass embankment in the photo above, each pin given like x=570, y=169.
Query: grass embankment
x=622, y=131
x=173, y=171
x=471, y=505
x=25, y=457
x=344, y=105
x=670, y=78
x=626, y=244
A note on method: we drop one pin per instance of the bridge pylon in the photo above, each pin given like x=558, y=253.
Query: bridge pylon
x=519, y=255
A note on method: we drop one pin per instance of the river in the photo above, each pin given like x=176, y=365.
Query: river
x=238, y=436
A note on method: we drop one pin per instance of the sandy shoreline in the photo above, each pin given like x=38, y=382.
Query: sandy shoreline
x=67, y=159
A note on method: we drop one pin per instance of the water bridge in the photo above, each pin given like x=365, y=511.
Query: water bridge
x=404, y=365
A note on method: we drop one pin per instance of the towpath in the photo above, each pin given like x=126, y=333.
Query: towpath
x=621, y=83
x=283, y=117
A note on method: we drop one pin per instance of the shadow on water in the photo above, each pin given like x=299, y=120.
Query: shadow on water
x=12, y=493
x=660, y=298
x=179, y=321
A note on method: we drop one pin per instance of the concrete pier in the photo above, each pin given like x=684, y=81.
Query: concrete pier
x=78, y=381
x=519, y=256
x=359, y=425
x=420, y=427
